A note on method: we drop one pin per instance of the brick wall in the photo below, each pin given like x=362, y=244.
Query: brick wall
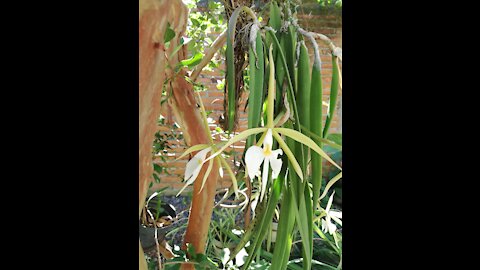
x=328, y=23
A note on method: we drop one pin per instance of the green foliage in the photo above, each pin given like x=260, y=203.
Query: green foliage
x=204, y=22
x=160, y=148
x=169, y=35
x=330, y=3
x=192, y=61
x=199, y=260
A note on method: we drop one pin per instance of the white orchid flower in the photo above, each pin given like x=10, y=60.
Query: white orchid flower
x=327, y=224
x=194, y=166
x=255, y=156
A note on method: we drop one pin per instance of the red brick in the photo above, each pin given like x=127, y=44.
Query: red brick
x=216, y=93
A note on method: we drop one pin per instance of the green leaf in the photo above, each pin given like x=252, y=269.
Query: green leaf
x=302, y=222
x=195, y=22
x=289, y=154
x=332, y=141
x=157, y=179
x=335, y=137
x=191, y=251
x=157, y=168
x=299, y=137
x=330, y=183
x=169, y=34
x=333, y=96
x=193, y=61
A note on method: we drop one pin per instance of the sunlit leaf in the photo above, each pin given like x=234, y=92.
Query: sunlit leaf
x=299, y=137
x=329, y=184
x=193, y=61
x=289, y=154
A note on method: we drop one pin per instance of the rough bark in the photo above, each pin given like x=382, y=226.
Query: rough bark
x=185, y=108
x=154, y=15
x=153, y=18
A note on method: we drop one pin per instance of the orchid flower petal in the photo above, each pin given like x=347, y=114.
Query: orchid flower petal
x=337, y=214
x=268, y=140
x=220, y=170
x=331, y=228
x=193, y=167
x=337, y=220
x=276, y=163
x=195, y=164
x=253, y=159
x=264, y=178
x=329, y=204
x=323, y=225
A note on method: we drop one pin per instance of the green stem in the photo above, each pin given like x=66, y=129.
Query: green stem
x=271, y=90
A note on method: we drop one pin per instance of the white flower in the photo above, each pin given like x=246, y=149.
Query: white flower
x=327, y=224
x=194, y=166
x=255, y=156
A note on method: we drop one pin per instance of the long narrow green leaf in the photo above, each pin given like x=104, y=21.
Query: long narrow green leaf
x=289, y=153
x=290, y=53
x=303, y=103
x=279, y=73
x=255, y=99
x=266, y=220
x=315, y=137
x=299, y=137
x=316, y=94
x=324, y=237
x=302, y=221
x=274, y=16
x=291, y=93
x=249, y=232
x=330, y=184
x=309, y=210
x=333, y=95
x=283, y=243
x=303, y=94
x=275, y=22
x=271, y=89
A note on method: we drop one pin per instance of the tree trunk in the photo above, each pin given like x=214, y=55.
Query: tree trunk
x=154, y=15
x=188, y=116
x=153, y=18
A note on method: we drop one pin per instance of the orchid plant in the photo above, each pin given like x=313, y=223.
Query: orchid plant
x=255, y=155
